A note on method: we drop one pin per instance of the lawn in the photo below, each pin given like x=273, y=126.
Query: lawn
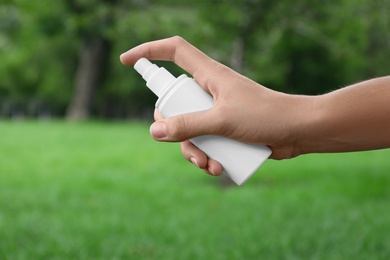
x=108, y=191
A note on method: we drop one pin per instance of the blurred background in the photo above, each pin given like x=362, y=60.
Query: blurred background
x=81, y=178
x=61, y=58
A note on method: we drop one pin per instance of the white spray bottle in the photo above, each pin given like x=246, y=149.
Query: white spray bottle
x=183, y=95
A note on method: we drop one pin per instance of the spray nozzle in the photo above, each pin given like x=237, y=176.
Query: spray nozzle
x=157, y=79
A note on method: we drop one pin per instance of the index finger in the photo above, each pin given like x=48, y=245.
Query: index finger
x=174, y=49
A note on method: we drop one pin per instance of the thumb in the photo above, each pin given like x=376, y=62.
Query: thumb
x=183, y=127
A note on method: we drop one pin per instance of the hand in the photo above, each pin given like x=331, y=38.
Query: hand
x=243, y=109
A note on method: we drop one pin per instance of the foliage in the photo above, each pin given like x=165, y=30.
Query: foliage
x=293, y=46
x=38, y=60
x=109, y=191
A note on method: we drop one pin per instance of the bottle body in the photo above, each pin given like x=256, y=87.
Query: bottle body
x=239, y=160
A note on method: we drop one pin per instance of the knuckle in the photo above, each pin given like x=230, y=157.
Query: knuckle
x=178, y=40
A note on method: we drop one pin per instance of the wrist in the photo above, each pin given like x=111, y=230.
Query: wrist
x=291, y=122
x=305, y=119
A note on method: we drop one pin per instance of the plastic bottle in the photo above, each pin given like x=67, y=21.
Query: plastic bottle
x=183, y=95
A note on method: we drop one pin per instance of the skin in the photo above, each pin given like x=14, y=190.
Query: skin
x=353, y=118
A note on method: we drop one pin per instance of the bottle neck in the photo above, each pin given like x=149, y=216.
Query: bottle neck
x=171, y=88
x=159, y=80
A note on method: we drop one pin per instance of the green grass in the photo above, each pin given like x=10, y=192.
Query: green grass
x=108, y=191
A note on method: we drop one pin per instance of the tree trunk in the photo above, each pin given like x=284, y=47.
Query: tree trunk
x=92, y=60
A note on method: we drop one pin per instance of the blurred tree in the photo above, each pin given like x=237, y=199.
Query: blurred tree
x=36, y=61
x=322, y=49
x=292, y=46
x=377, y=24
x=64, y=54
x=91, y=21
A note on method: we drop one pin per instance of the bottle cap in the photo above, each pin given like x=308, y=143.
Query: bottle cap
x=157, y=79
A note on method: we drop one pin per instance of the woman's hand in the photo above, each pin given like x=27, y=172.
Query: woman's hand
x=243, y=110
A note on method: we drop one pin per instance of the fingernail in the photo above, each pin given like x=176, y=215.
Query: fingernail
x=159, y=130
x=194, y=161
